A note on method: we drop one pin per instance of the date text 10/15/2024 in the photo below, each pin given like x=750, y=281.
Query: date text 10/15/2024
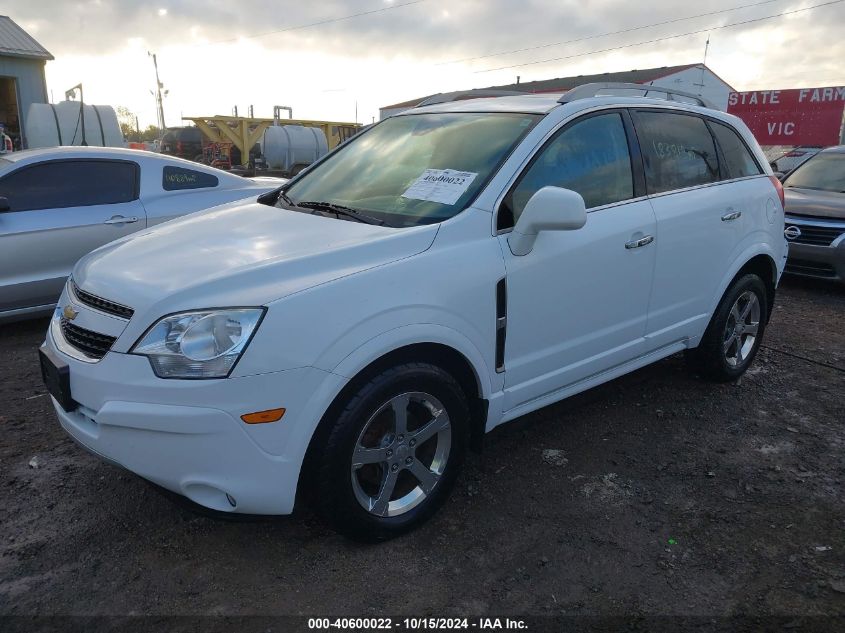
x=417, y=624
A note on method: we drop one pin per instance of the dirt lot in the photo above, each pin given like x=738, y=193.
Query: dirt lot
x=671, y=496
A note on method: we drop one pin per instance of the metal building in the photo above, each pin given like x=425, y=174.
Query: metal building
x=695, y=78
x=22, y=80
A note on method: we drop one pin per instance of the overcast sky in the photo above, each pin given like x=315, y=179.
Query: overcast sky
x=214, y=54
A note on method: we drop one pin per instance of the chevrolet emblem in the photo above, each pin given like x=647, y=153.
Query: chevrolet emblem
x=69, y=313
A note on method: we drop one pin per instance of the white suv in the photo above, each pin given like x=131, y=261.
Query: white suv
x=347, y=338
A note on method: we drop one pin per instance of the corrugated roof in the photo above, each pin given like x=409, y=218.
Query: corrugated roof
x=562, y=84
x=15, y=42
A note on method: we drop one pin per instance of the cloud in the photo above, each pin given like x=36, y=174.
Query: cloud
x=399, y=53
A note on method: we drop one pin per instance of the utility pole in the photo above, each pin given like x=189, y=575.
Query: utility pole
x=70, y=94
x=159, y=100
x=700, y=83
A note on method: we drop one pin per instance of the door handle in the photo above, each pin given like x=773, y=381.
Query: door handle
x=643, y=241
x=732, y=215
x=119, y=219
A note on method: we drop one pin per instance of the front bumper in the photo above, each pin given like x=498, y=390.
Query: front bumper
x=819, y=259
x=187, y=435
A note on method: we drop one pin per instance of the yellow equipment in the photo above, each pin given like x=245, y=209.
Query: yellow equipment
x=245, y=132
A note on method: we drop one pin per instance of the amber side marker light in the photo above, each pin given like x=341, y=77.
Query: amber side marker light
x=263, y=417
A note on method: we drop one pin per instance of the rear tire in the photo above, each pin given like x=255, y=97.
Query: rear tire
x=733, y=336
x=393, y=453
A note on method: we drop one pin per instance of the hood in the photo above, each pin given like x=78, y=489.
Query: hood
x=821, y=204
x=238, y=255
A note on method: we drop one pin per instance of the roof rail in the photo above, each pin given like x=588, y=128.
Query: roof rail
x=586, y=91
x=461, y=95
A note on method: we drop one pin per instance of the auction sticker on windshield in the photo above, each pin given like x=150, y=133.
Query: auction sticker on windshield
x=440, y=185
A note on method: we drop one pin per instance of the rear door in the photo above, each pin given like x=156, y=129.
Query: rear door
x=699, y=222
x=59, y=211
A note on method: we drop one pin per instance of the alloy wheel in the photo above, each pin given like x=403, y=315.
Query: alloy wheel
x=401, y=454
x=741, y=328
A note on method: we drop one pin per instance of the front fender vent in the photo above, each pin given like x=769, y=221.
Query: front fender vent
x=501, y=323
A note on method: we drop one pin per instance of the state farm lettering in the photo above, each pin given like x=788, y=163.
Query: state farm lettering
x=804, y=116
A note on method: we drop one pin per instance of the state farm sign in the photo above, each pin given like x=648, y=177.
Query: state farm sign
x=805, y=116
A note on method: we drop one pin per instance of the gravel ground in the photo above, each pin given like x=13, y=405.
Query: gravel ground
x=655, y=494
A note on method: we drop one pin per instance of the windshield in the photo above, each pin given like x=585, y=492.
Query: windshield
x=415, y=169
x=825, y=171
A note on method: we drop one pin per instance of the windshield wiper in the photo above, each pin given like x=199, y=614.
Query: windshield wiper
x=340, y=210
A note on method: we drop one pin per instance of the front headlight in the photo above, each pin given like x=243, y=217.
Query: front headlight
x=200, y=344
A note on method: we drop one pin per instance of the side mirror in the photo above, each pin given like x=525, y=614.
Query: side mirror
x=550, y=209
x=4, y=204
x=779, y=175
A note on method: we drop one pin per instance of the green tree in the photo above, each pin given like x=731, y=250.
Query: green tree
x=128, y=123
x=151, y=133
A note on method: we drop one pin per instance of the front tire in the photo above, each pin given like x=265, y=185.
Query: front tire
x=733, y=336
x=393, y=453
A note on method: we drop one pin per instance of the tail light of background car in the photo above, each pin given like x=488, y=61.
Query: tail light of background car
x=779, y=188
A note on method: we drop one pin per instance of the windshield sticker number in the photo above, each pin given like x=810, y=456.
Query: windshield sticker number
x=445, y=186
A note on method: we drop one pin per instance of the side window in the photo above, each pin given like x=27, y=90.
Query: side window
x=678, y=150
x=69, y=183
x=589, y=156
x=738, y=159
x=177, y=178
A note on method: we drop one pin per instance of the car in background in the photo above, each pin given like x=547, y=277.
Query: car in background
x=815, y=216
x=790, y=159
x=182, y=142
x=58, y=204
x=6, y=146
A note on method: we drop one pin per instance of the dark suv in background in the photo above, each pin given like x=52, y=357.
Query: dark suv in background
x=815, y=216
x=184, y=142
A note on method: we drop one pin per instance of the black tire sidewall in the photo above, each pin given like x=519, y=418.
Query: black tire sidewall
x=336, y=498
x=711, y=351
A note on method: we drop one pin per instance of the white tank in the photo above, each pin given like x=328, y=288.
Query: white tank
x=285, y=146
x=50, y=125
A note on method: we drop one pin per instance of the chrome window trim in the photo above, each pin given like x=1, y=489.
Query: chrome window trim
x=705, y=185
x=603, y=207
x=542, y=142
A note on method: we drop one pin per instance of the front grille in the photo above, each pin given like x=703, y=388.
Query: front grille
x=90, y=343
x=806, y=267
x=103, y=305
x=817, y=235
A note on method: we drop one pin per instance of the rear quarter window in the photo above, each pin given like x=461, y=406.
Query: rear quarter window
x=738, y=161
x=179, y=178
x=678, y=151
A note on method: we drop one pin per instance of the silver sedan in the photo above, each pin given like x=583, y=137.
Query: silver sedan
x=60, y=203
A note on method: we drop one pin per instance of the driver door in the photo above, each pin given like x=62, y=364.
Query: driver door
x=59, y=211
x=577, y=303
